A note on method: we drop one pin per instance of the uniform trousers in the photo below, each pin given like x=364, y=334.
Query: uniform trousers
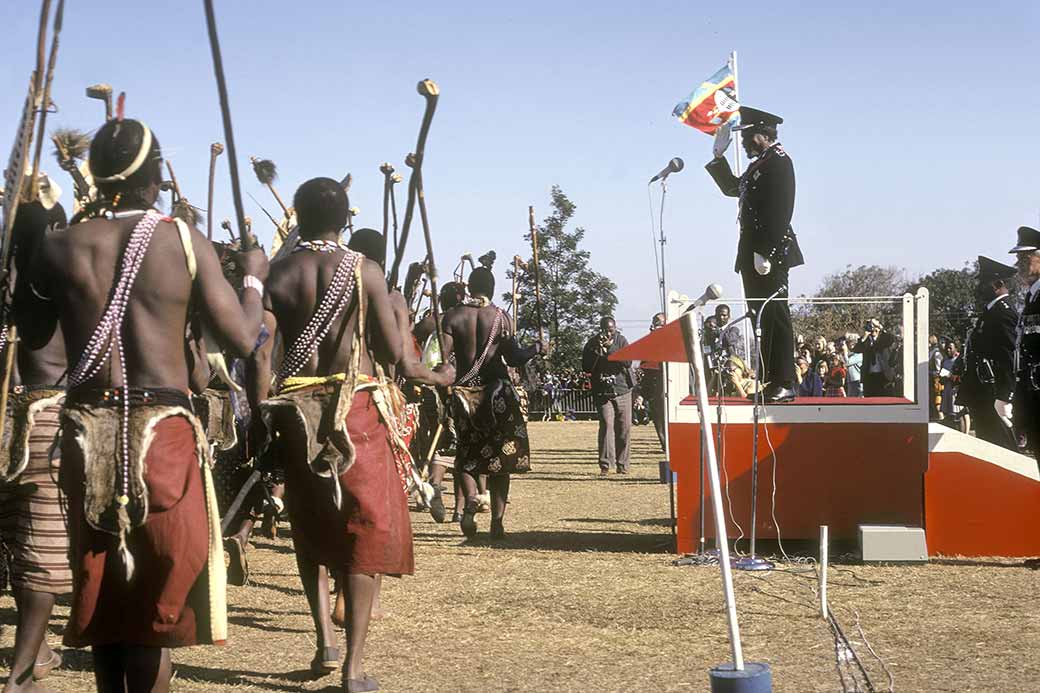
x=777, y=342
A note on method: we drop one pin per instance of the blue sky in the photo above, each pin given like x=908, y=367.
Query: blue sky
x=905, y=120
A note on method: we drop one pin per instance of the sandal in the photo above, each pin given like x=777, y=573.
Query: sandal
x=238, y=567
x=41, y=669
x=326, y=661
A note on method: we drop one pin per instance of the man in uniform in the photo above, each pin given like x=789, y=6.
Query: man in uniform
x=1027, y=391
x=768, y=248
x=988, y=382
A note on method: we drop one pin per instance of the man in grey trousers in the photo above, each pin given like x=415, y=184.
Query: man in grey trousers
x=612, y=392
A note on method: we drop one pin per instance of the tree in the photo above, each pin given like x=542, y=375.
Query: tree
x=951, y=300
x=574, y=297
x=831, y=320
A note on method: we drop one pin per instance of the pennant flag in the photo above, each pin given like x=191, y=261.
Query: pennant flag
x=711, y=104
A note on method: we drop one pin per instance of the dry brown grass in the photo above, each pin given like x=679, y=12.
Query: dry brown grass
x=582, y=597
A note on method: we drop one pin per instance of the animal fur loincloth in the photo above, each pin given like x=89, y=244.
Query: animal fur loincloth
x=491, y=429
x=217, y=413
x=22, y=409
x=94, y=432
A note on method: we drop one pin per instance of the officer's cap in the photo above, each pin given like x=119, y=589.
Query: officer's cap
x=752, y=117
x=1028, y=240
x=991, y=270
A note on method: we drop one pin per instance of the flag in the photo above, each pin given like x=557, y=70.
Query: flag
x=711, y=104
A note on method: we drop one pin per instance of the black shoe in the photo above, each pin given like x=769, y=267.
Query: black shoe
x=622, y=470
x=604, y=471
x=437, y=511
x=456, y=517
x=468, y=524
x=497, y=530
x=777, y=394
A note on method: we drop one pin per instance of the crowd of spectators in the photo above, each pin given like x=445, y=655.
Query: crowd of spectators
x=850, y=365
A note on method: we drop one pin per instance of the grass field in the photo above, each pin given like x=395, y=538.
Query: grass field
x=583, y=596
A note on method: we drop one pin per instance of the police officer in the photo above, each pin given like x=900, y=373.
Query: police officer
x=1027, y=392
x=767, y=248
x=988, y=382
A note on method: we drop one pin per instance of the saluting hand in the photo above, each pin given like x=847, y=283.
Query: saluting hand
x=723, y=136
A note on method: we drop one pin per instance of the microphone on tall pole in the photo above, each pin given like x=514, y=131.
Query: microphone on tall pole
x=711, y=293
x=674, y=166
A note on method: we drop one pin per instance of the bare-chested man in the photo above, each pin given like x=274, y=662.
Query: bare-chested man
x=145, y=542
x=489, y=421
x=32, y=522
x=332, y=426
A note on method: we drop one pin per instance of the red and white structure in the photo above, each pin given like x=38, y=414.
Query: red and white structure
x=845, y=462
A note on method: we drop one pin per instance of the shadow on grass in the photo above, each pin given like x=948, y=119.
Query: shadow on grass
x=976, y=563
x=606, y=542
x=649, y=522
x=264, y=680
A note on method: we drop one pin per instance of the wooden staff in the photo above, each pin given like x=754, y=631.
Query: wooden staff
x=429, y=91
x=248, y=242
x=346, y=183
x=215, y=150
x=537, y=274
x=45, y=100
x=518, y=264
x=173, y=181
x=387, y=170
x=266, y=173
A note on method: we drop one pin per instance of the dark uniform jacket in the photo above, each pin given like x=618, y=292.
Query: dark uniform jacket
x=766, y=192
x=989, y=358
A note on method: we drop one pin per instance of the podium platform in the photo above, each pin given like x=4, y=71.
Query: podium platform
x=844, y=462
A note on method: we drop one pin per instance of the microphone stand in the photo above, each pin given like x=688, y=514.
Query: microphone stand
x=665, y=379
x=753, y=562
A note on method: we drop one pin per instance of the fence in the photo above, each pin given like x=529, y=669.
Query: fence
x=563, y=402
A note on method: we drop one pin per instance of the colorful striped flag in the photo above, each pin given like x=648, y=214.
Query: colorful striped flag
x=711, y=104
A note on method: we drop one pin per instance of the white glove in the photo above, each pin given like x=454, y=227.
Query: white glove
x=762, y=265
x=1003, y=409
x=722, y=139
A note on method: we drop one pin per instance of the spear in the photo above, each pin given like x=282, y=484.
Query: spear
x=537, y=273
x=215, y=150
x=248, y=242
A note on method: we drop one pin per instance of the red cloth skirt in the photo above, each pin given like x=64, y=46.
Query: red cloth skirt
x=372, y=533
x=154, y=609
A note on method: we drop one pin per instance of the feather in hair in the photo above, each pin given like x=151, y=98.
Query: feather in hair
x=70, y=144
x=183, y=210
x=265, y=170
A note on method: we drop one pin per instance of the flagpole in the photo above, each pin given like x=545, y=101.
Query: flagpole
x=736, y=168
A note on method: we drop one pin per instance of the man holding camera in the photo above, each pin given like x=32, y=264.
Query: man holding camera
x=768, y=248
x=988, y=382
x=612, y=393
x=877, y=370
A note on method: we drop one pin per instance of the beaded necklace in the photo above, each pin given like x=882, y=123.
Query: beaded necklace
x=109, y=330
x=320, y=246
x=335, y=300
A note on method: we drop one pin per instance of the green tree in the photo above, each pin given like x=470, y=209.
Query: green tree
x=831, y=320
x=574, y=297
x=951, y=300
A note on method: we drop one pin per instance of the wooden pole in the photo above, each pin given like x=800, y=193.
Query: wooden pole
x=537, y=274
x=215, y=150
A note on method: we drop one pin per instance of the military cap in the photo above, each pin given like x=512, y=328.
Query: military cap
x=752, y=117
x=991, y=270
x=1028, y=240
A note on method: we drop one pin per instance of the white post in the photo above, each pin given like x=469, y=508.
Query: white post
x=692, y=342
x=823, y=571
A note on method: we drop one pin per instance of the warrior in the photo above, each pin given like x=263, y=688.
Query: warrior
x=146, y=556
x=487, y=409
x=331, y=425
x=32, y=520
x=435, y=423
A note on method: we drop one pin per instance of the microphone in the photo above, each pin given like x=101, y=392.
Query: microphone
x=674, y=166
x=710, y=294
